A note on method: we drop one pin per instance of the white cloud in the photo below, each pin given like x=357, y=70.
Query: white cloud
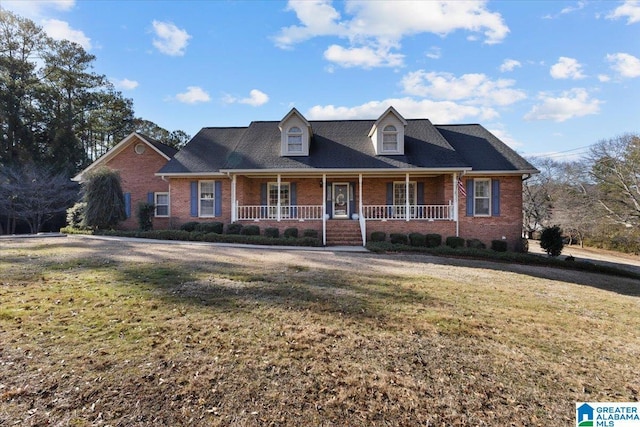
x=60, y=30
x=36, y=9
x=364, y=57
x=256, y=98
x=567, y=68
x=624, y=64
x=170, y=40
x=475, y=89
x=569, y=9
x=434, y=53
x=373, y=28
x=603, y=78
x=630, y=9
x=436, y=111
x=193, y=95
x=570, y=104
x=125, y=84
x=509, y=65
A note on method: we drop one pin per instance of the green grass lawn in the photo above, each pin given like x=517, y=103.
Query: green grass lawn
x=102, y=334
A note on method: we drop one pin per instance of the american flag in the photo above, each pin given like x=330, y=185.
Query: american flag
x=461, y=188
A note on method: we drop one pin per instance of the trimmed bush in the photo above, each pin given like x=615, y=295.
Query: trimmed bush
x=522, y=246
x=291, y=232
x=499, y=245
x=455, y=242
x=272, y=232
x=417, y=239
x=209, y=227
x=234, y=228
x=551, y=241
x=310, y=233
x=250, y=230
x=433, y=240
x=378, y=236
x=398, y=239
x=476, y=244
x=189, y=226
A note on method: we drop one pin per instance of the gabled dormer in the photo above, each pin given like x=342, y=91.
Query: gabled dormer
x=387, y=133
x=295, y=134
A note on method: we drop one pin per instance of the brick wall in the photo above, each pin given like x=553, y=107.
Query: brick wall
x=438, y=190
x=137, y=175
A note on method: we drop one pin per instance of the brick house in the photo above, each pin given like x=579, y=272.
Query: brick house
x=344, y=178
x=137, y=158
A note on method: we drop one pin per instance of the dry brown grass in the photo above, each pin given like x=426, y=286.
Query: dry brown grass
x=130, y=334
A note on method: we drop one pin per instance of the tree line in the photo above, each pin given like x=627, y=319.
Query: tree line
x=57, y=115
x=595, y=200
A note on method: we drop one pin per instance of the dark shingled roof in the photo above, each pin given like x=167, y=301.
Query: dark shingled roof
x=345, y=144
x=165, y=149
x=482, y=150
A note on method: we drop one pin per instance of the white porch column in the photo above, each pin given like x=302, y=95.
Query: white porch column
x=360, y=195
x=406, y=197
x=324, y=209
x=278, y=213
x=234, y=202
x=455, y=203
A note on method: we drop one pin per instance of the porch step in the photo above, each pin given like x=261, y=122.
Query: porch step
x=343, y=232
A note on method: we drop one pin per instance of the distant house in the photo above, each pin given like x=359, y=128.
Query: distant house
x=343, y=178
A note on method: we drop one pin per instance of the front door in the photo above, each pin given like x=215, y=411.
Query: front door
x=341, y=200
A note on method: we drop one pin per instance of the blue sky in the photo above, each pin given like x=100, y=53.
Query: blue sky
x=547, y=77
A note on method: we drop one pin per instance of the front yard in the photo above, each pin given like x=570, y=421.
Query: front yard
x=108, y=333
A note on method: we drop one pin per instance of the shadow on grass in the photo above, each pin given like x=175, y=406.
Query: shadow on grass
x=228, y=287
x=629, y=286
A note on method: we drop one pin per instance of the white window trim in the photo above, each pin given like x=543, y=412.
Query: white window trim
x=475, y=196
x=415, y=192
x=295, y=131
x=168, y=205
x=200, y=199
x=394, y=132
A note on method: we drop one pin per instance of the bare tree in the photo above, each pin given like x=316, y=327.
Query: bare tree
x=35, y=194
x=615, y=170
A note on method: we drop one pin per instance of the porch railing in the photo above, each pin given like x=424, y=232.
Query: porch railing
x=416, y=212
x=261, y=212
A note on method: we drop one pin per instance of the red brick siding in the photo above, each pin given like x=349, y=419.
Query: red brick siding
x=137, y=175
x=507, y=225
x=438, y=190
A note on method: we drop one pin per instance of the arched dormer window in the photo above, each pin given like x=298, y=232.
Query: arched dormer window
x=294, y=140
x=390, y=139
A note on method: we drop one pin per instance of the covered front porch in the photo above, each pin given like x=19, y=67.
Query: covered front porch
x=317, y=200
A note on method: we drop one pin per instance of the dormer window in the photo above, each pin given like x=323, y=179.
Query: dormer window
x=390, y=139
x=294, y=140
x=295, y=134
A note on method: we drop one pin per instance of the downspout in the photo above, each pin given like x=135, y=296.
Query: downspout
x=324, y=209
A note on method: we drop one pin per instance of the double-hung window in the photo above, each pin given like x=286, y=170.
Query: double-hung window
x=390, y=139
x=162, y=204
x=400, y=197
x=285, y=199
x=482, y=197
x=294, y=140
x=206, y=194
